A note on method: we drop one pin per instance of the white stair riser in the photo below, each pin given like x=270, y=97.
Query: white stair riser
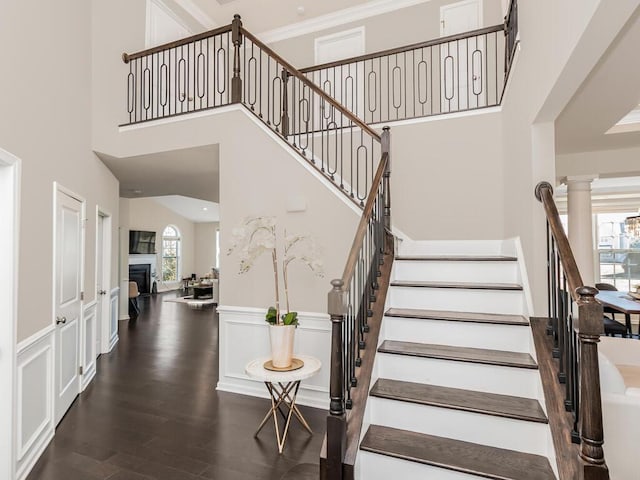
x=371, y=466
x=451, y=247
x=512, y=338
x=522, y=436
x=456, y=299
x=487, y=272
x=519, y=382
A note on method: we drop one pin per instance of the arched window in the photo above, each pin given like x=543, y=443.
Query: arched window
x=170, y=254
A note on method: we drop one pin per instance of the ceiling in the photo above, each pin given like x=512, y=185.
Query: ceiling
x=608, y=94
x=262, y=15
x=192, y=172
x=198, y=211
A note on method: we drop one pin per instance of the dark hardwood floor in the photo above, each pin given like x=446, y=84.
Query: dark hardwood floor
x=152, y=412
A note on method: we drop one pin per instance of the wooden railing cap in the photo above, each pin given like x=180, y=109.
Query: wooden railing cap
x=540, y=186
x=587, y=291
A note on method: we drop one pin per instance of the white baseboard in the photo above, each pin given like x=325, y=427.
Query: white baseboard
x=114, y=301
x=34, y=455
x=113, y=342
x=244, y=336
x=34, y=399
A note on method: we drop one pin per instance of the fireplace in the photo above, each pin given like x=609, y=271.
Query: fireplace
x=141, y=274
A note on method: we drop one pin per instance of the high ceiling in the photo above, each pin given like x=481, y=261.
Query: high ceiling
x=609, y=93
x=262, y=15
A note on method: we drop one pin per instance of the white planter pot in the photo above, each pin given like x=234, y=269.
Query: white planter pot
x=282, y=338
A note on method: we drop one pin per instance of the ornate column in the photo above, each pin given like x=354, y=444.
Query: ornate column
x=580, y=224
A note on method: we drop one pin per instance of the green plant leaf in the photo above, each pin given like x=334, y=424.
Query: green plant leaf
x=272, y=316
x=290, y=318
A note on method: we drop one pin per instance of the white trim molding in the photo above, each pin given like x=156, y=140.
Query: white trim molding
x=114, y=300
x=10, y=175
x=337, y=18
x=88, y=354
x=34, y=400
x=244, y=336
x=197, y=13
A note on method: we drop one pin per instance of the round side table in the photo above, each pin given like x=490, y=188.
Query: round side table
x=283, y=390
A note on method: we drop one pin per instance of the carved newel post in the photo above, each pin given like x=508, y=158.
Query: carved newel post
x=236, y=38
x=336, y=420
x=591, y=431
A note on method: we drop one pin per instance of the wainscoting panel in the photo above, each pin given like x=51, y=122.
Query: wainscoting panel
x=244, y=336
x=113, y=317
x=89, y=353
x=34, y=399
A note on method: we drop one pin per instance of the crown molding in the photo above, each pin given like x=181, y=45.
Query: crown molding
x=197, y=13
x=334, y=19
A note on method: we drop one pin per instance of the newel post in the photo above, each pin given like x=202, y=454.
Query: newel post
x=336, y=420
x=386, y=148
x=236, y=37
x=591, y=431
x=284, y=119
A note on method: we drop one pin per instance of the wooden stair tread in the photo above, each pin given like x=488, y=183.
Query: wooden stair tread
x=466, y=457
x=456, y=258
x=518, y=408
x=497, y=318
x=464, y=285
x=460, y=354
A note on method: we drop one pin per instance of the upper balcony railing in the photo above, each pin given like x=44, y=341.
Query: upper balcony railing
x=228, y=66
x=456, y=73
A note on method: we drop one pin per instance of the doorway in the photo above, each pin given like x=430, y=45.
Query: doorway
x=103, y=282
x=461, y=60
x=9, y=232
x=68, y=296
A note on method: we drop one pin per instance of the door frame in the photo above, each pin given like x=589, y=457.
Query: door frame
x=449, y=6
x=10, y=175
x=58, y=188
x=107, y=219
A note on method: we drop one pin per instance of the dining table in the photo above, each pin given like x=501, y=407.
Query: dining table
x=621, y=302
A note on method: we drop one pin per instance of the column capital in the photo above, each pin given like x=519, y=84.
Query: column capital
x=579, y=182
x=573, y=179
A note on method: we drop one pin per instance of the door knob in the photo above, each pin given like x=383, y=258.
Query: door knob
x=60, y=320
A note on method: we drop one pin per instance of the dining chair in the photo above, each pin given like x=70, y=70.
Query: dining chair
x=611, y=326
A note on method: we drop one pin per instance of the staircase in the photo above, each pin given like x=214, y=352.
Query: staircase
x=456, y=391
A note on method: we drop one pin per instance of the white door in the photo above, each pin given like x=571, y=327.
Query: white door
x=460, y=17
x=103, y=282
x=100, y=286
x=461, y=61
x=68, y=300
x=340, y=82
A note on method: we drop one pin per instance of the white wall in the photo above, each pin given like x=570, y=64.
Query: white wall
x=610, y=163
x=401, y=27
x=147, y=214
x=447, y=179
x=46, y=121
x=551, y=65
x=205, y=247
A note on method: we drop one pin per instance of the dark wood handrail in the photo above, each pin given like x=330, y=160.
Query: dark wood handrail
x=127, y=57
x=312, y=86
x=356, y=246
x=544, y=193
x=576, y=343
x=407, y=48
